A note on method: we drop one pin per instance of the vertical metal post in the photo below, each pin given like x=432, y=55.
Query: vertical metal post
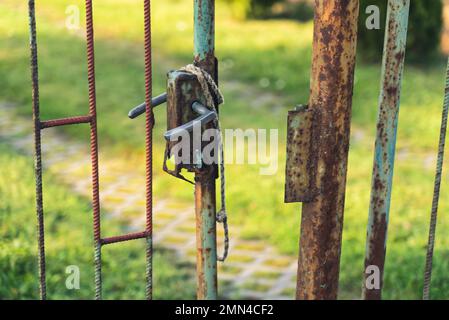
x=149, y=124
x=37, y=151
x=205, y=207
x=333, y=64
x=389, y=101
x=94, y=147
x=436, y=192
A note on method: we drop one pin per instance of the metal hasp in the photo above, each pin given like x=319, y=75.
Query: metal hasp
x=392, y=70
x=205, y=205
x=332, y=79
x=183, y=91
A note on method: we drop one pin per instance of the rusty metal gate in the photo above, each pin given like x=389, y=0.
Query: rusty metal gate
x=197, y=81
x=318, y=143
x=317, y=148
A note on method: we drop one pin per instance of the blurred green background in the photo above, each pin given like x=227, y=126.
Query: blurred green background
x=260, y=60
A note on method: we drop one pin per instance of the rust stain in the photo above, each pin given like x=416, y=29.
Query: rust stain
x=377, y=252
x=206, y=237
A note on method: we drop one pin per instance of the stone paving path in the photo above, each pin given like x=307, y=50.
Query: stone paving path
x=254, y=269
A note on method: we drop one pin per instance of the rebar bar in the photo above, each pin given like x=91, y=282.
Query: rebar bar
x=37, y=151
x=94, y=146
x=436, y=192
x=149, y=123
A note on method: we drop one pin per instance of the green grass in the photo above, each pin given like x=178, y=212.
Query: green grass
x=253, y=55
x=69, y=242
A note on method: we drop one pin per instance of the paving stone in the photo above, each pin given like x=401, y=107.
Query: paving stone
x=240, y=258
x=267, y=274
x=278, y=261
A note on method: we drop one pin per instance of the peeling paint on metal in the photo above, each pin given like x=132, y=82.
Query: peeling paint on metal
x=389, y=101
x=204, y=28
x=206, y=237
x=205, y=193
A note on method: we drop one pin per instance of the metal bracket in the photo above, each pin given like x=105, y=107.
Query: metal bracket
x=300, y=169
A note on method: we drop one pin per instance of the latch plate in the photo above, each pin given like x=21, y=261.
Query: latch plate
x=299, y=171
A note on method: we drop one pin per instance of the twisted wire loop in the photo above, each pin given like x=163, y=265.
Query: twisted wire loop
x=214, y=98
x=37, y=150
x=93, y=146
x=149, y=124
x=436, y=192
x=222, y=216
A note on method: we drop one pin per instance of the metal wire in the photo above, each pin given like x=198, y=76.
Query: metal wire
x=37, y=151
x=93, y=146
x=123, y=238
x=436, y=192
x=65, y=121
x=149, y=124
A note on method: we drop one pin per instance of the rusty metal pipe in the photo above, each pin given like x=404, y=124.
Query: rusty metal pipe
x=382, y=178
x=332, y=79
x=205, y=193
x=206, y=235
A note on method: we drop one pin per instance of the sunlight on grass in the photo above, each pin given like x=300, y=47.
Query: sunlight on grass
x=257, y=57
x=69, y=242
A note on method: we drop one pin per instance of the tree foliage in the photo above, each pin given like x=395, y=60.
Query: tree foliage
x=263, y=9
x=425, y=25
